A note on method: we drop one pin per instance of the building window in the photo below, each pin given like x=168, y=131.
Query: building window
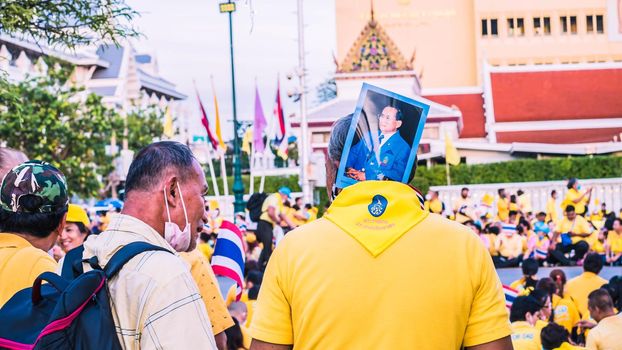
x=568, y=24
x=493, y=27
x=542, y=25
x=595, y=24
x=516, y=27
x=489, y=27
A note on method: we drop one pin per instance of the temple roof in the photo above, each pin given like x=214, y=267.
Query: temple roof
x=374, y=51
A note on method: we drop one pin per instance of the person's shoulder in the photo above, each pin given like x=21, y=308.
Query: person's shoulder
x=38, y=259
x=443, y=225
x=157, y=266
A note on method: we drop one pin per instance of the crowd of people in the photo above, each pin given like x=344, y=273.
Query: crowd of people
x=512, y=231
x=553, y=313
x=328, y=283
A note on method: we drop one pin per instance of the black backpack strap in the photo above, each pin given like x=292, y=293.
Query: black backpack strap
x=72, y=265
x=125, y=254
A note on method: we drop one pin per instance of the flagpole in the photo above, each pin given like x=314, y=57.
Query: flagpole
x=211, y=170
x=447, y=173
x=223, y=173
x=304, y=151
x=251, y=157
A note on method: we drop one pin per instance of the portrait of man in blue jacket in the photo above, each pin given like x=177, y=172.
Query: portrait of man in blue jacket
x=363, y=164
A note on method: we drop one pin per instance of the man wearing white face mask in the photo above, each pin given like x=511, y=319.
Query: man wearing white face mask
x=155, y=302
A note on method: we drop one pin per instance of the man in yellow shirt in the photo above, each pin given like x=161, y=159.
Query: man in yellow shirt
x=33, y=209
x=336, y=282
x=524, y=314
x=434, y=204
x=509, y=246
x=555, y=337
x=581, y=286
x=607, y=334
x=551, y=208
x=272, y=214
x=573, y=232
x=503, y=205
x=614, y=244
x=463, y=207
x=576, y=197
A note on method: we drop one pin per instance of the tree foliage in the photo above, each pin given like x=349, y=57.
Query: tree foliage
x=326, y=91
x=68, y=23
x=62, y=124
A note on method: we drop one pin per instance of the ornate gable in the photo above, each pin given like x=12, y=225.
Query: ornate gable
x=373, y=51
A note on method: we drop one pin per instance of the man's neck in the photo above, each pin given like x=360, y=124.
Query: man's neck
x=141, y=208
x=37, y=242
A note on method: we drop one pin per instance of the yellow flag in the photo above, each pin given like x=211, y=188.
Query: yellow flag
x=168, y=123
x=451, y=153
x=221, y=143
x=246, y=140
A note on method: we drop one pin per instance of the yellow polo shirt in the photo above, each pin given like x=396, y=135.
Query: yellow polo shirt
x=607, y=334
x=273, y=200
x=20, y=265
x=346, y=281
x=525, y=336
x=615, y=242
x=565, y=312
x=204, y=277
x=578, y=225
x=580, y=287
x=503, y=208
x=568, y=346
x=573, y=195
x=551, y=211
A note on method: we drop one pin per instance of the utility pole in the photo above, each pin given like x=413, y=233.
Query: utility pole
x=304, y=137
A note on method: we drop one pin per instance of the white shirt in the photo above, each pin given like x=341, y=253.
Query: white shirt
x=154, y=300
x=386, y=137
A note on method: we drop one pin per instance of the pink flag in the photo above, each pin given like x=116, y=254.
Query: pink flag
x=259, y=125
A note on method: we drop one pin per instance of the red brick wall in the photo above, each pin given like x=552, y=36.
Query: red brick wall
x=555, y=95
x=472, y=108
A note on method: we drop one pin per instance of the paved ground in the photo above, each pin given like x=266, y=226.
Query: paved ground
x=508, y=276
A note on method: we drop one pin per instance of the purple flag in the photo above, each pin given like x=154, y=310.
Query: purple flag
x=259, y=125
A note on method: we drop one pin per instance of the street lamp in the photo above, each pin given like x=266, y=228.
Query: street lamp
x=238, y=186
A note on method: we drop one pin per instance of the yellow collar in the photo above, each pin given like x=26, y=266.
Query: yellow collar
x=376, y=213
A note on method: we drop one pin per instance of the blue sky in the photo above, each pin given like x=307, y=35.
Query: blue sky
x=191, y=41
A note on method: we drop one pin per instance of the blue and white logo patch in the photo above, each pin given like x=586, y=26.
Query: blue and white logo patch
x=378, y=205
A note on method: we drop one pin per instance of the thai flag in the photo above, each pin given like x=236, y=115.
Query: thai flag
x=508, y=229
x=542, y=254
x=510, y=295
x=228, y=257
x=419, y=196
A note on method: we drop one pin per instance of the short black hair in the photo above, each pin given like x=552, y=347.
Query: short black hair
x=530, y=267
x=151, y=162
x=600, y=299
x=593, y=263
x=40, y=225
x=569, y=208
x=553, y=192
x=541, y=213
x=553, y=336
x=464, y=189
x=512, y=213
x=494, y=230
x=500, y=190
x=548, y=285
x=520, y=192
x=523, y=305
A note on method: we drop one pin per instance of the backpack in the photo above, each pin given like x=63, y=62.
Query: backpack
x=254, y=204
x=71, y=311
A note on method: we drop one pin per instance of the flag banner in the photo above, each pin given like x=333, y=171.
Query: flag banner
x=228, y=258
x=259, y=125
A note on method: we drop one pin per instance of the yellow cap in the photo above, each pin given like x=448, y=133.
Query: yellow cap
x=213, y=204
x=250, y=237
x=487, y=199
x=75, y=213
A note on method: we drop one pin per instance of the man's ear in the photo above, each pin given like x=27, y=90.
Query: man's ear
x=172, y=191
x=399, y=124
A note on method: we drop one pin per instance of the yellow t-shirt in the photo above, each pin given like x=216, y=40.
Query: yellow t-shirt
x=573, y=195
x=615, y=242
x=607, y=334
x=463, y=208
x=598, y=247
x=20, y=265
x=565, y=312
x=342, y=295
x=274, y=200
x=509, y=246
x=434, y=206
x=525, y=336
x=524, y=203
x=203, y=276
x=580, y=287
x=503, y=208
x=578, y=225
x=551, y=211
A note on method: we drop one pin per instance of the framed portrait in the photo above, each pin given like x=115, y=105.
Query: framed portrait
x=383, y=138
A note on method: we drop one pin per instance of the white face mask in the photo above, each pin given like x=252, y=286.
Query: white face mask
x=178, y=239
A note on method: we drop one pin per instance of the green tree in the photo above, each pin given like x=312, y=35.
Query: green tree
x=144, y=126
x=55, y=122
x=326, y=91
x=68, y=23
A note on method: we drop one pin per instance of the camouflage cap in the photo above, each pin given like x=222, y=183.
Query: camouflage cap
x=34, y=178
